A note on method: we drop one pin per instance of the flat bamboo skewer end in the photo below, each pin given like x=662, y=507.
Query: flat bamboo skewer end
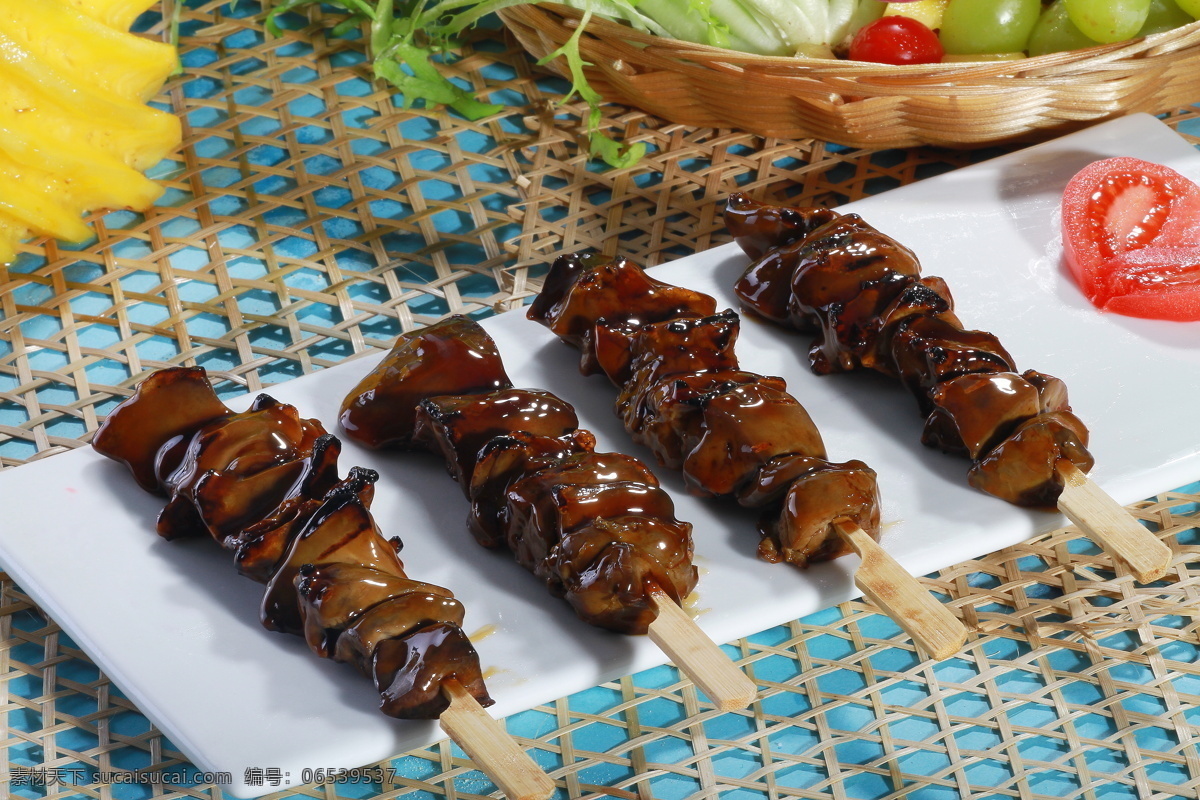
x=931, y=625
x=488, y=744
x=1104, y=521
x=697, y=656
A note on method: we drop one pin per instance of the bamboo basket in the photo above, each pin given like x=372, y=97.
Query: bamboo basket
x=858, y=104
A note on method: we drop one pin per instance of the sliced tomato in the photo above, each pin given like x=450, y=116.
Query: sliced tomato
x=1160, y=282
x=1131, y=233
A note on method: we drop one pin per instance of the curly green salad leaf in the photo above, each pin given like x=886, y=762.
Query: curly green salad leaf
x=410, y=39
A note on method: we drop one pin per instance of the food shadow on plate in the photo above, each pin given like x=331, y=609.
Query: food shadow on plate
x=197, y=562
x=1041, y=172
x=201, y=562
x=1182, y=337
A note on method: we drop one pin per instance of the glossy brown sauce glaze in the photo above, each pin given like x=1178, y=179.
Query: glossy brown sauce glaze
x=596, y=528
x=862, y=294
x=733, y=433
x=264, y=484
x=381, y=411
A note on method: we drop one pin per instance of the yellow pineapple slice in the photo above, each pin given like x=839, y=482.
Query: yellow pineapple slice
x=74, y=132
x=928, y=11
x=68, y=195
x=36, y=102
x=86, y=51
x=11, y=232
x=93, y=180
x=29, y=204
x=118, y=14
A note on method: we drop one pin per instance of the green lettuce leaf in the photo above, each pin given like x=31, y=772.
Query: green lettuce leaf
x=412, y=40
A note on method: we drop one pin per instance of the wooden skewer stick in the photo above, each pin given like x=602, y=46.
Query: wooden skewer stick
x=1105, y=522
x=488, y=744
x=930, y=624
x=698, y=656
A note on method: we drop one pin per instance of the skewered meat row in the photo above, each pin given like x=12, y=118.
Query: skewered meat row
x=595, y=527
x=264, y=484
x=862, y=294
x=733, y=433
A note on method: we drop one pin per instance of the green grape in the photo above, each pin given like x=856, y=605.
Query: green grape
x=988, y=26
x=1190, y=6
x=1165, y=15
x=1108, y=20
x=1055, y=32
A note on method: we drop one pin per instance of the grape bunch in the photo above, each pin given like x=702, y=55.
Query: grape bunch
x=927, y=31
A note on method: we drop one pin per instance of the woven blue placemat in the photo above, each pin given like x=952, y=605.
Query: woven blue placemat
x=309, y=217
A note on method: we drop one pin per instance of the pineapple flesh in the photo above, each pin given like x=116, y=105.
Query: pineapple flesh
x=75, y=133
x=927, y=11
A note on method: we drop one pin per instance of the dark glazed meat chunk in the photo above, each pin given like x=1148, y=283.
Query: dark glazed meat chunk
x=221, y=472
x=341, y=530
x=236, y=470
x=260, y=547
x=505, y=460
x=394, y=618
x=1021, y=469
x=167, y=408
x=1052, y=391
x=381, y=410
x=409, y=671
x=815, y=494
x=838, y=263
x=927, y=351
x=974, y=413
x=743, y=429
x=874, y=344
x=599, y=531
x=759, y=227
x=679, y=346
x=458, y=426
x=333, y=596
x=668, y=417
x=686, y=344
x=625, y=557
x=580, y=291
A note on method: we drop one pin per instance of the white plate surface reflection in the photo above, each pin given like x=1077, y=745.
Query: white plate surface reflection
x=177, y=629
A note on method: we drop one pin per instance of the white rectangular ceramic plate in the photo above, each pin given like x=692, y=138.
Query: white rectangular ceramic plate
x=177, y=629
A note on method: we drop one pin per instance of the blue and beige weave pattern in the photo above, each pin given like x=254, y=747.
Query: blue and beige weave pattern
x=310, y=217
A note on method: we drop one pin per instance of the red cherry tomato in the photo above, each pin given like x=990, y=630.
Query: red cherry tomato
x=896, y=40
x=1131, y=233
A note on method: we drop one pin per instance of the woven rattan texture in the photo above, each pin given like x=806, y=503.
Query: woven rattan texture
x=1078, y=685
x=309, y=217
x=954, y=104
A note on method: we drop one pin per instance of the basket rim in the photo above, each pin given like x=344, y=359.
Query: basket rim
x=602, y=28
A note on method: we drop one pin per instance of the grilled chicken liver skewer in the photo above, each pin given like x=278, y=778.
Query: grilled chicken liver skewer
x=596, y=528
x=263, y=483
x=863, y=295
x=733, y=433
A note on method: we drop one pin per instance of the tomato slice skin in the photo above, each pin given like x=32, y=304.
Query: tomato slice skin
x=1131, y=235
